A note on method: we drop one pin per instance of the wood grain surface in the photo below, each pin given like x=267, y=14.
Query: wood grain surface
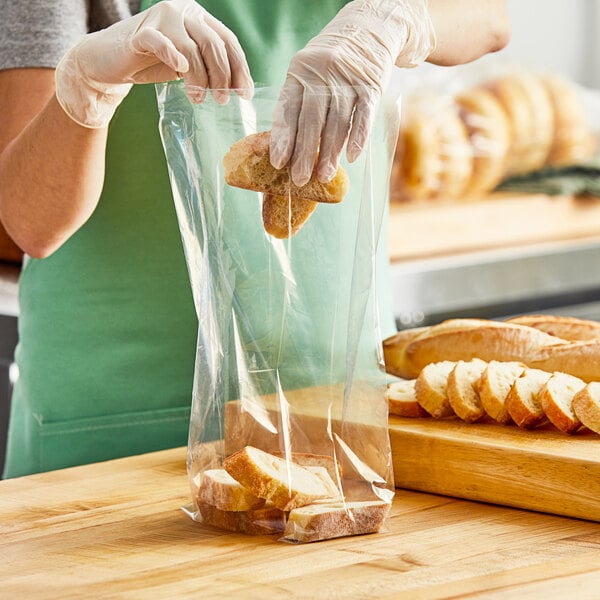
x=115, y=530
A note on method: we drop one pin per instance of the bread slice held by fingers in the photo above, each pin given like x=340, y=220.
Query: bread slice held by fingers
x=462, y=394
x=284, y=216
x=556, y=398
x=586, y=405
x=493, y=387
x=522, y=401
x=402, y=399
x=326, y=521
x=284, y=484
x=247, y=165
x=431, y=388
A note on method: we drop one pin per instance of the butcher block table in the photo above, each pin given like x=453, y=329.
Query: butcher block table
x=115, y=530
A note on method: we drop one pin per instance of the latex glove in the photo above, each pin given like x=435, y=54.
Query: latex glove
x=334, y=84
x=167, y=41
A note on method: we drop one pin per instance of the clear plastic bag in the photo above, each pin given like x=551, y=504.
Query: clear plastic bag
x=288, y=366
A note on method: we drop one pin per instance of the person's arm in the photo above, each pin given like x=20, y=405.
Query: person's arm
x=334, y=83
x=53, y=144
x=51, y=168
x=467, y=29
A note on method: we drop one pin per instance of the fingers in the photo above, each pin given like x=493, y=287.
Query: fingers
x=311, y=121
x=285, y=123
x=153, y=41
x=335, y=132
x=362, y=122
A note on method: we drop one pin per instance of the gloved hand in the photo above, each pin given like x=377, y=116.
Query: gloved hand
x=169, y=40
x=334, y=84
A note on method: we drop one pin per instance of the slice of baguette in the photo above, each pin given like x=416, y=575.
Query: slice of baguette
x=337, y=519
x=402, y=399
x=260, y=521
x=522, y=402
x=493, y=387
x=284, y=216
x=285, y=484
x=567, y=328
x=556, y=397
x=308, y=459
x=247, y=165
x=462, y=395
x=431, y=389
x=218, y=488
x=586, y=404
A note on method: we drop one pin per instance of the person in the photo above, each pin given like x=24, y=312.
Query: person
x=107, y=326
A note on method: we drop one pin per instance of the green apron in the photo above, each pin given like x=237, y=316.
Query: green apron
x=107, y=327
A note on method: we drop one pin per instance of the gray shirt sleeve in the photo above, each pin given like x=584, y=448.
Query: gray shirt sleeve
x=37, y=33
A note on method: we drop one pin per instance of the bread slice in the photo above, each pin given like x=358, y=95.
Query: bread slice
x=522, y=402
x=402, y=399
x=308, y=459
x=462, y=395
x=556, y=397
x=261, y=521
x=337, y=519
x=431, y=389
x=285, y=484
x=218, y=488
x=284, y=216
x=493, y=387
x=586, y=404
x=567, y=328
x=247, y=165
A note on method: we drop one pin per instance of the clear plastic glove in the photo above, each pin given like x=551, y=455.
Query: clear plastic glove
x=170, y=40
x=334, y=84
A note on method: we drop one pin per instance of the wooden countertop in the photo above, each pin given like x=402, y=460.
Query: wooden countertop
x=115, y=530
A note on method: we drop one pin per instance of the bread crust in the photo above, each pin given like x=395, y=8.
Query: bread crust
x=247, y=165
x=402, y=399
x=431, y=389
x=580, y=359
x=261, y=521
x=556, y=398
x=567, y=328
x=284, y=216
x=493, y=387
x=285, y=485
x=522, y=401
x=327, y=521
x=462, y=393
x=586, y=405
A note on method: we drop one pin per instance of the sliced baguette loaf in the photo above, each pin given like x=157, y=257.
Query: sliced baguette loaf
x=336, y=519
x=431, y=388
x=462, y=395
x=260, y=521
x=586, y=405
x=247, y=165
x=221, y=490
x=284, y=216
x=285, y=484
x=556, y=398
x=402, y=399
x=493, y=387
x=522, y=401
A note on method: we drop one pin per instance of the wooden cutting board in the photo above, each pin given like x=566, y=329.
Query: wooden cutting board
x=543, y=470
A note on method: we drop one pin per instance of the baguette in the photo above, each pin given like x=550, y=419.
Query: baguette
x=556, y=398
x=580, y=359
x=402, y=399
x=523, y=402
x=586, y=405
x=221, y=490
x=567, y=328
x=260, y=521
x=336, y=519
x=431, y=389
x=284, y=216
x=493, y=387
x=247, y=165
x=284, y=484
x=465, y=339
x=462, y=395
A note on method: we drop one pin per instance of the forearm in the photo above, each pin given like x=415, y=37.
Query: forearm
x=467, y=29
x=51, y=171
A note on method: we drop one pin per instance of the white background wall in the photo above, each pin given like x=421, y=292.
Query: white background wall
x=558, y=35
